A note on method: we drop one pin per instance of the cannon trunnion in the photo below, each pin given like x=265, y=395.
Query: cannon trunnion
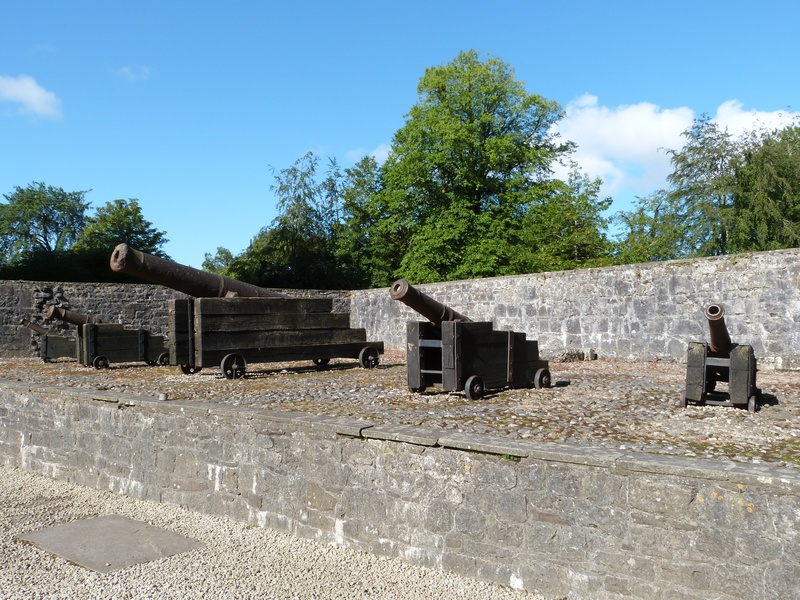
x=720, y=361
x=457, y=354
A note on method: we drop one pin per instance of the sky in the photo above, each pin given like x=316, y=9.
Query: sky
x=192, y=107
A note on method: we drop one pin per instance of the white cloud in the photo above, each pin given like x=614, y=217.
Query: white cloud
x=32, y=98
x=133, y=74
x=379, y=154
x=625, y=146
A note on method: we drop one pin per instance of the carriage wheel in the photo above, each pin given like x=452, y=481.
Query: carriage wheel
x=368, y=358
x=474, y=388
x=541, y=379
x=100, y=362
x=321, y=362
x=189, y=369
x=233, y=366
x=163, y=359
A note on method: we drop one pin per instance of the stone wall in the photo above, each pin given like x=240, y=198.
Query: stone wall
x=563, y=521
x=631, y=312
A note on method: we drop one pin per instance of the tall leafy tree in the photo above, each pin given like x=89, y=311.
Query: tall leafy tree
x=120, y=221
x=654, y=230
x=766, y=198
x=702, y=187
x=475, y=151
x=40, y=219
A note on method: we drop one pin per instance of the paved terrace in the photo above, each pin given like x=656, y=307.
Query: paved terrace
x=621, y=405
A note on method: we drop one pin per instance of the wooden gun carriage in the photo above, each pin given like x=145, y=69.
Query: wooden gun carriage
x=720, y=361
x=230, y=332
x=458, y=354
x=51, y=346
x=99, y=344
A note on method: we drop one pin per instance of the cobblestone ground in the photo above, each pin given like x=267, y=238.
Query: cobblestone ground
x=612, y=403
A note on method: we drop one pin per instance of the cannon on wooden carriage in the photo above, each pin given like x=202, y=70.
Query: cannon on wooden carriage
x=51, y=346
x=229, y=323
x=99, y=344
x=458, y=354
x=720, y=361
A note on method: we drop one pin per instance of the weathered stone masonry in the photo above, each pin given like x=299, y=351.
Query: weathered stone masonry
x=561, y=520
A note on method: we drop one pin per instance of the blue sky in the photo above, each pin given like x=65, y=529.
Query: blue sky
x=188, y=106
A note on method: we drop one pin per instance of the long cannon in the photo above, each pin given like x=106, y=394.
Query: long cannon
x=190, y=281
x=35, y=327
x=71, y=317
x=720, y=339
x=434, y=311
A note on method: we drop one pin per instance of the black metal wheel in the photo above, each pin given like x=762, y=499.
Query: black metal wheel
x=474, y=388
x=751, y=404
x=189, y=369
x=163, y=359
x=321, y=362
x=368, y=358
x=418, y=390
x=100, y=362
x=233, y=366
x=541, y=379
x=682, y=401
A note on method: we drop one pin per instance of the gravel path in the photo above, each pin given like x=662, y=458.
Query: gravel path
x=237, y=561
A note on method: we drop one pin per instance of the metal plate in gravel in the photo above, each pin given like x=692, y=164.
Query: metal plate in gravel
x=111, y=542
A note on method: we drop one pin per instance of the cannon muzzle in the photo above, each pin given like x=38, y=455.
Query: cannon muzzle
x=68, y=316
x=434, y=311
x=720, y=339
x=36, y=328
x=190, y=281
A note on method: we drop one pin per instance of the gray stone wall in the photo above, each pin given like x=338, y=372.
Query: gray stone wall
x=631, y=312
x=135, y=305
x=562, y=521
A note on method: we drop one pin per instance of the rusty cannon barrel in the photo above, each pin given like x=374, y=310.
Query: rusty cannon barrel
x=71, y=317
x=434, y=311
x=35, y=327
x=194, y=282
x=720, y=339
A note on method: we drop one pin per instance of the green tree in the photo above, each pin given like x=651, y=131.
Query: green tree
x=566, y=228
x=298, y=248
x=40, y=219
x=653, y=231
x=219, y=262
x=117, y=222
x=475, y=151
x=702, y=187
x=766, y=199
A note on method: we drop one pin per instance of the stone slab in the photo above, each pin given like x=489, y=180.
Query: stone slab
x=110, y=542
x=410, y=434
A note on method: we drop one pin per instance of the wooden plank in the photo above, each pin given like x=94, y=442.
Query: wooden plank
x=289, y=353
x=236, y=341
x=55, y=346
x=261, y=306
x=180, y=332
x=271, y=322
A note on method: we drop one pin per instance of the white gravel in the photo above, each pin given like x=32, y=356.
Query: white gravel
x=238, y=561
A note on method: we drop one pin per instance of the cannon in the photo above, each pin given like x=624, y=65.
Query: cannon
x=51, y=346
x=36, y=328
x=720, y=361
x=71, y=317
x=458, y=354
x=99, y=344
x=190, y=281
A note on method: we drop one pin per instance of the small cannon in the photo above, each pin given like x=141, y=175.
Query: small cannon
x=36, y=328
x=99, y=344
x=71, y=317
x=193, y=282
x=720, y=361
x=453, y=351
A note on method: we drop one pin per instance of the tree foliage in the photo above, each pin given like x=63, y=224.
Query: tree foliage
x=117, y=222
x=40, y=219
